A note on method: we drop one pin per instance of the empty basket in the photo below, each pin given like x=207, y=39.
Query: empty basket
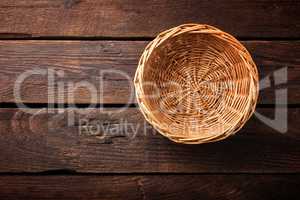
x=196, y=84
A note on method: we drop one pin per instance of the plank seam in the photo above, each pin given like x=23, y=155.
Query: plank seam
x=133, y=38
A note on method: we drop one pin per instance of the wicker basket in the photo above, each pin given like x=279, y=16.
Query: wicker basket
x=196, y=84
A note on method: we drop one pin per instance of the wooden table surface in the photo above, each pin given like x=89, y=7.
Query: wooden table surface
x=43, y=156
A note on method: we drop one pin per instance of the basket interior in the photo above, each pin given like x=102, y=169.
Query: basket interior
x=196, y=84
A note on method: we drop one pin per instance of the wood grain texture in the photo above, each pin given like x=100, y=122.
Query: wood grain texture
x=83, y=62
x=217, y=187
x=108, y=142
x=243, y=18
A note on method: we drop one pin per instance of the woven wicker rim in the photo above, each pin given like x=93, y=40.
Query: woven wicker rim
x=218, y=54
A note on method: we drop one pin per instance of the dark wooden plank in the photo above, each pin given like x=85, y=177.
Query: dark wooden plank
x=83, y=61
x=256, y=18
x=44, y=141
x=234, y=187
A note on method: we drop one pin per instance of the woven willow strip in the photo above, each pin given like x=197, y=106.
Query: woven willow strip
x=196, y=84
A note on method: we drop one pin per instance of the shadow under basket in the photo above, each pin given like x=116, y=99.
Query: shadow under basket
x=196, y=84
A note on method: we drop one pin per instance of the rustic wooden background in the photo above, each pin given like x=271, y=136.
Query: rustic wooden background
x=41, y=157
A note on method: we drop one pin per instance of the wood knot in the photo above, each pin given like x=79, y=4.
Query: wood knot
x=70, y=3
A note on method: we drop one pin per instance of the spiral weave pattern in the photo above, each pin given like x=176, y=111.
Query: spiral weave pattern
x=196, y=84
